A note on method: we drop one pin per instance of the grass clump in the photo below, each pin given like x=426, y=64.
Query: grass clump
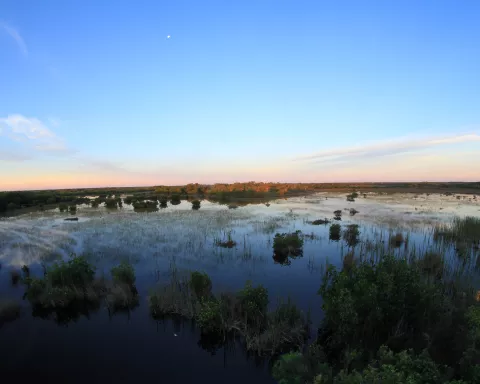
x=175, y=199
x=288, y=244
x=243, y=314
x=335, y=232
x=200, y=284
x=196, y=204
x=72, y=209
x=228, y=243
x=397, y=240
x=145, y=205
x=351, y=234
x=111, y=203
x=62, y=207
x=463, y=232
x=123, y=273
x=69, y=288
x=320, y=222
x=337, y=214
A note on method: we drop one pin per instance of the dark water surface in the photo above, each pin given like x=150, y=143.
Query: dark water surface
x=97, y=347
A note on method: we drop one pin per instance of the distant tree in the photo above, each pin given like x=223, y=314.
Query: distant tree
x=196, y=204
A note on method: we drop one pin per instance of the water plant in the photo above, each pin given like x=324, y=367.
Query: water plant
x=196, y=204
x=335, y=232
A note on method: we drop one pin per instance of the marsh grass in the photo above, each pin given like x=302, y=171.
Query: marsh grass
x=351, y=235
x=335, y=232
x=226, y=243
x=70, y=288
x=320, y=222
x=242, y=314
x=464, y=233
x=196, y=204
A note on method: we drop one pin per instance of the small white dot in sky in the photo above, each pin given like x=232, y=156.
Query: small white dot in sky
x=168, y=36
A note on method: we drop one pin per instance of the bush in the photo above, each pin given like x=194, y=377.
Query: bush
x=320, y=222
x=72, y=208
x=62, y=207
x=288, y=244
x=163, y=203
x=397, y=240
x=111, y=203
x=253, y=304
x=201, y=284
x=175, y=200
x=335, y=232
x=196, y=204
x=351, y=234
x=123, y=273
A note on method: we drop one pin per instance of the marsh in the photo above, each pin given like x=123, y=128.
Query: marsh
x=94, y=343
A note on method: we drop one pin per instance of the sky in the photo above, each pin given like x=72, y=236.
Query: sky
x=125, y=93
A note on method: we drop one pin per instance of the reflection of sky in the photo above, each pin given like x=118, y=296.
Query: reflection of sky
x=178, y=235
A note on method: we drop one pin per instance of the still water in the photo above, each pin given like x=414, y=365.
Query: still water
x=96, y=346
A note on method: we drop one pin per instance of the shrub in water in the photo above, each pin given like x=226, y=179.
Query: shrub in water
x=201, y=284
x=288, y=244
x=196, y=204
x=123, y=273
x=334, y=232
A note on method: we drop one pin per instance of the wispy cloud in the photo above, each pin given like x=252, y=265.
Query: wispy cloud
x=15, y=35
x=33, y=133
x=387, y=148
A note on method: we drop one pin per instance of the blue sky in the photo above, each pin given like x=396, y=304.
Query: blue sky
x=94, y=93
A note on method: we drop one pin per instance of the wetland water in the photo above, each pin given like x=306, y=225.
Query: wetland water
x=133, y=347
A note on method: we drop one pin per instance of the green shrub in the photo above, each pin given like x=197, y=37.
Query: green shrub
x=201, y=284
x=196, y=204
x=288, y=244
x=175, y=199
x=123, y=273
x=163, y=203
x=111, y=203
x=72, y=208
x=335, y=232
x=253, y=303
x=210, y=318
x=62, y=207
x=351, y=234
x=76, y=271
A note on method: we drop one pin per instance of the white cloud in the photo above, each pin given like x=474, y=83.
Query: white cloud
x=31, y=132
x=13, y=33
x=387, y=148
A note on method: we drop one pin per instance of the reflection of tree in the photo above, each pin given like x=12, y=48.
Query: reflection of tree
x=69, y=314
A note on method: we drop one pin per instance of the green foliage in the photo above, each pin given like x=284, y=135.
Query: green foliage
x=175, y=199
x=288, y=244
x=210, y=318
x=111, y=203
x=76, y=271
x=72, y=208
x=123, y=273
x=139, y=205
x=196, y=204
x=320, y=222
x=351, y=234
x=335, y=232
x=62, y=207
x=201, y=284
x=163, y=203
x=253, y=303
